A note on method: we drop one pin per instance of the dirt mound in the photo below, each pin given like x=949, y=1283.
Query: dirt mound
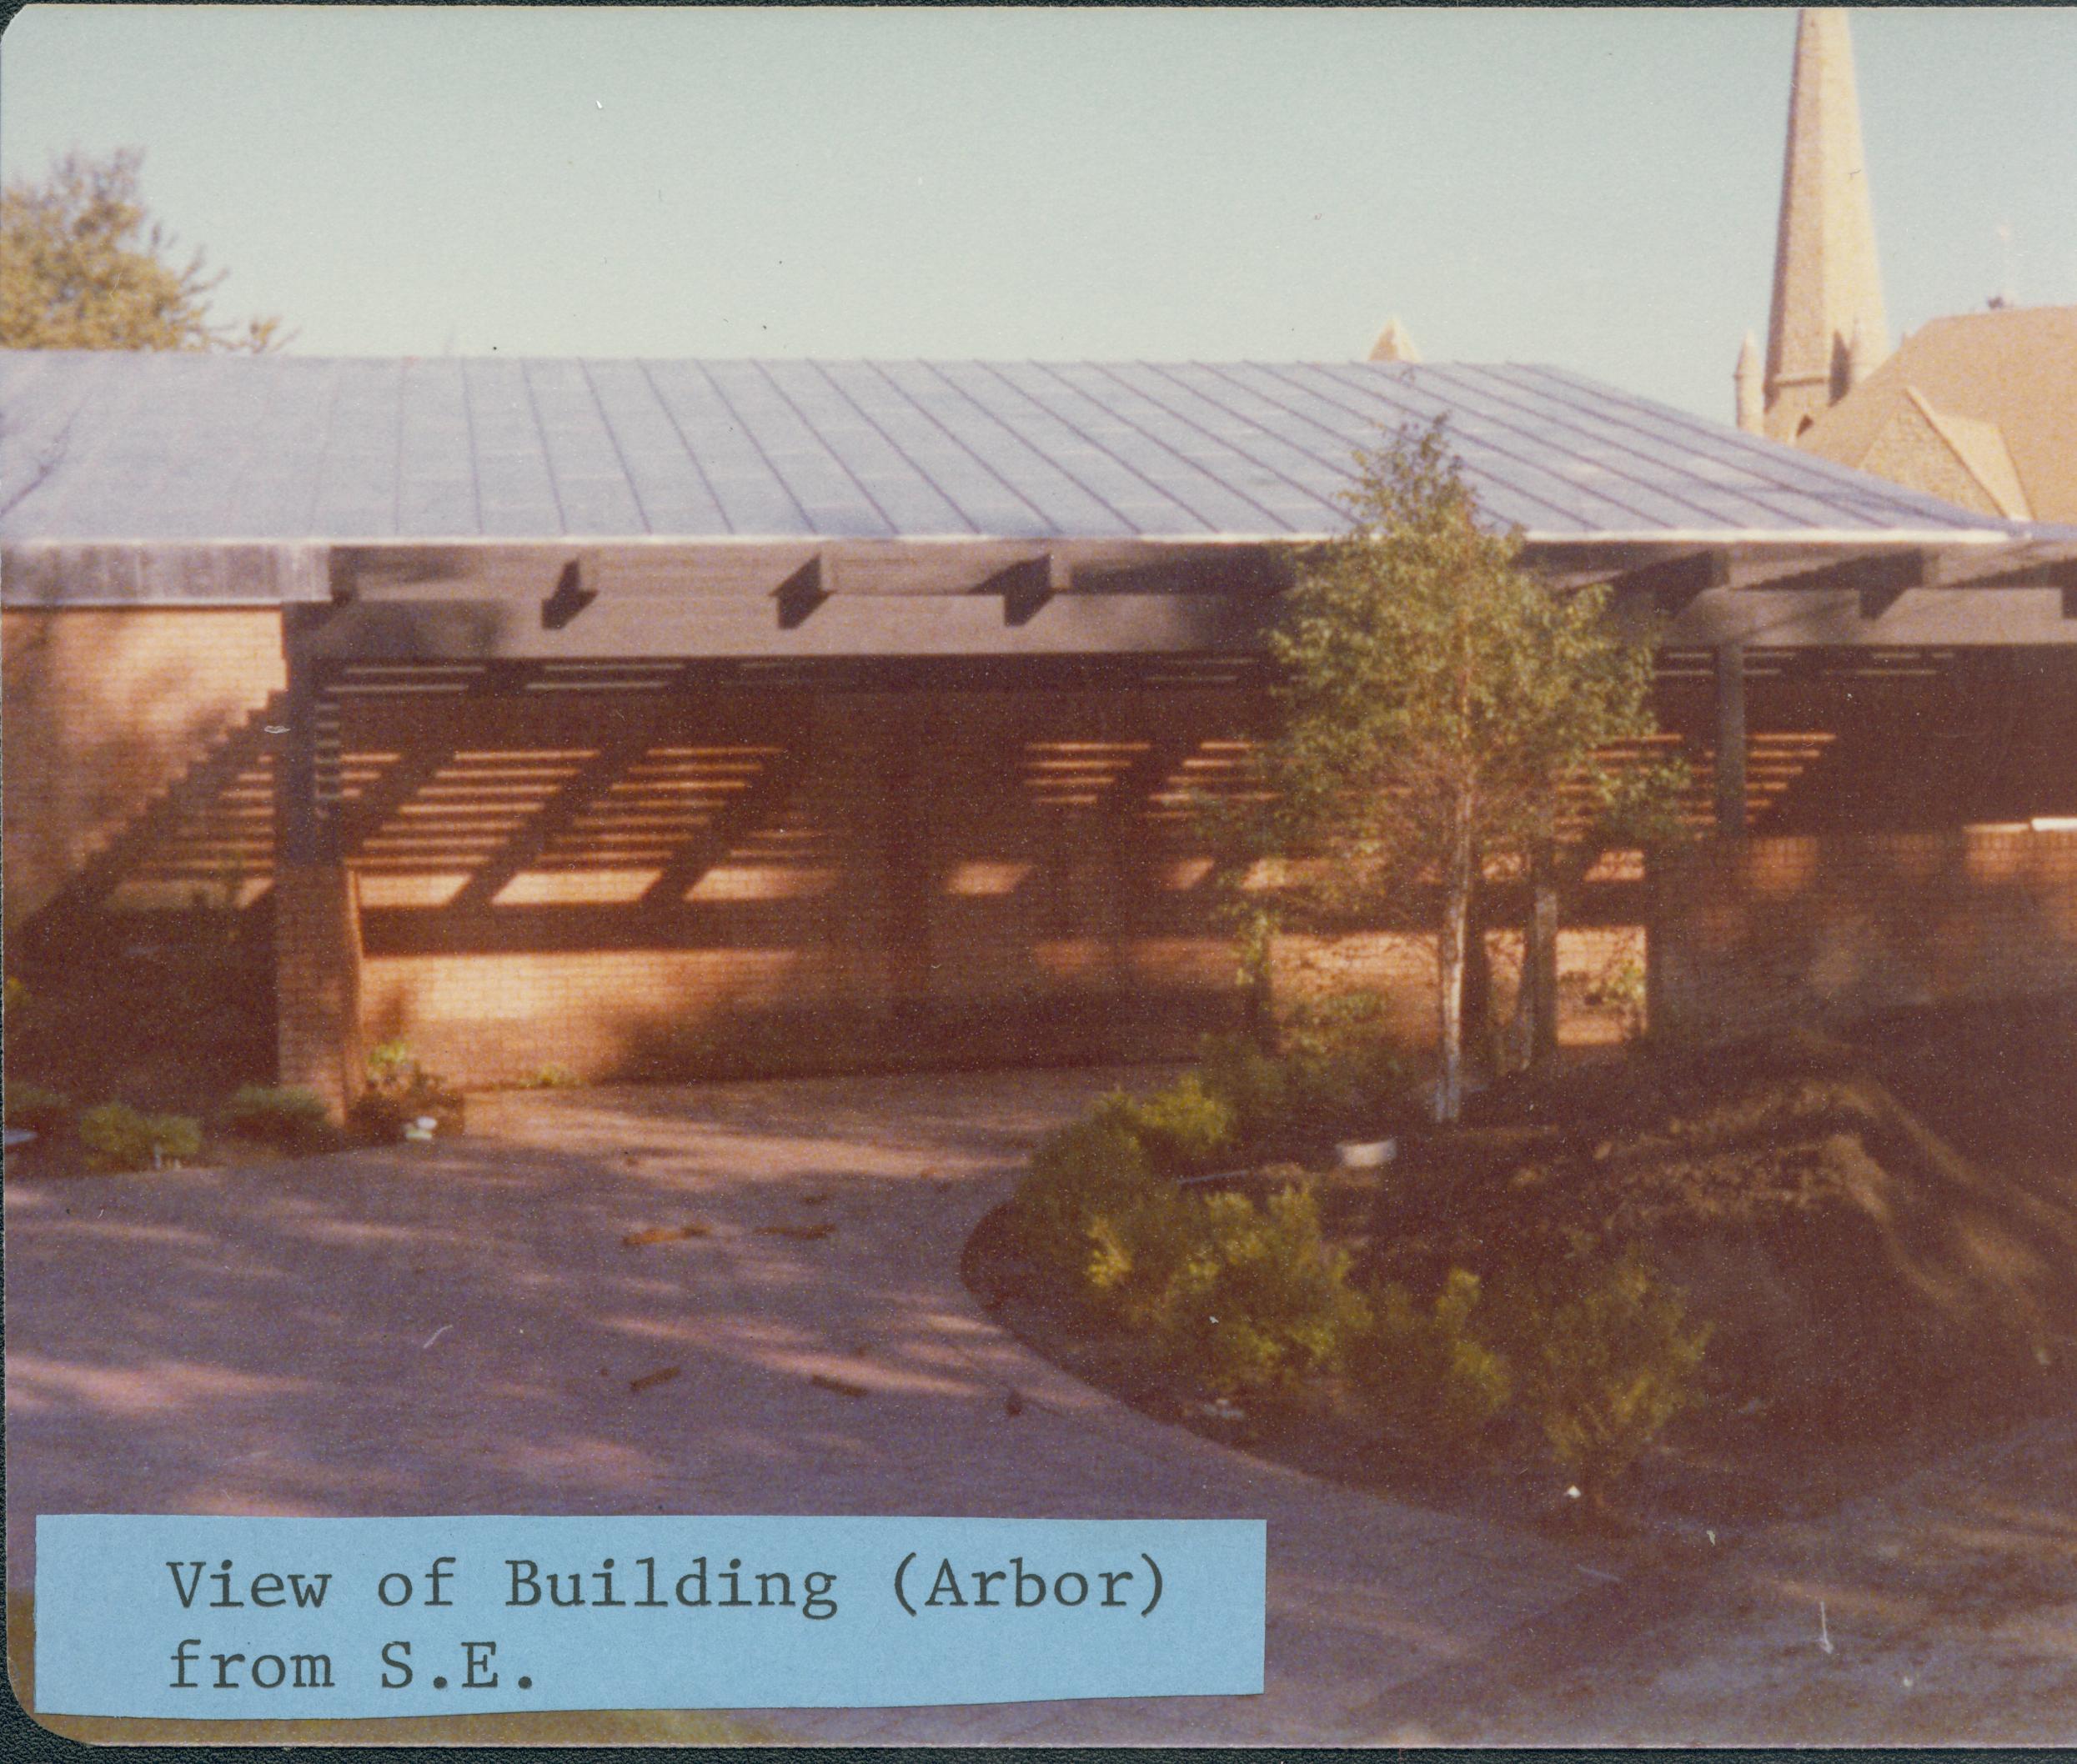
x=1859, y=1271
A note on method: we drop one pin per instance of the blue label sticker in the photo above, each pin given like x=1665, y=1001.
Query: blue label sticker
x=213, y=1617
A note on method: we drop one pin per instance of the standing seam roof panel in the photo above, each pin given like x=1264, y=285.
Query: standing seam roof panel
x=1065, y=505
x=189, y=495
x=661, y=475
x=436, y=487
x=753, y=498
x=271, y=494
x=1218, y=505
x=1504, y=498
x=1504, y=454
x=1857, y=489
x=517, y=491
x=1748, y=491
x=1283, y=504
x=985, y=500
x=74, y=436
x=814, y=474
x=1186, y=395
x=907, y=500
x=253, y=440
x=1619, y=442
x=1470, y=396
x=230, y=447
x=592, y=491
x=714, y=374
x=1128, y=493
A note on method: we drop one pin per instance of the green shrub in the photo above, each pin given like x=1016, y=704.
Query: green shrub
x=1251, y=1082
x=40, y=1110
x=400, y=1093
x=1432, y=1372
x=296, y=1119
x=1136, y=1247
x=1094, y=1166
x=1622, y=986
x=1343, y=1072
x=1605, y=1364
x=1256, y=1297
x=118, y=1137
x=1184, y=1130
x=552, y=1077
x=1336, y=1072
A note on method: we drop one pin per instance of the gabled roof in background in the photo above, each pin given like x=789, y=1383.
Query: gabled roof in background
x=113, y=447
x=2013, y=370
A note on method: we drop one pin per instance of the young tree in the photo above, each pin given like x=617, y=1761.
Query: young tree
x=83, y=266
x=1443, y=709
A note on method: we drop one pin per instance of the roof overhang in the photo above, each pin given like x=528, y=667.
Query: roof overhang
x=488, y=600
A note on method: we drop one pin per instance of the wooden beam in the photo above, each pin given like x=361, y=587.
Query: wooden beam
x=1026, y=587
x=1671, y=583
x=757, y=567
x=1927, y=617
x=162, y=575
x=622, y=627
x=570, y=598
x=1878, y=577
x=299, y=819
x=801, y=594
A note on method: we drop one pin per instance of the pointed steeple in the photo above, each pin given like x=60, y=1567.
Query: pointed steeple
x=1827, y=290
x=1745, y=377
x=1393, y=344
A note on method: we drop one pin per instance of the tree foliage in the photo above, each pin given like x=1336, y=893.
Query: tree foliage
x=1443, y=709
x=84, y=266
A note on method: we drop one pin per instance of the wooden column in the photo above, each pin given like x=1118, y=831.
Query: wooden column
x=1730, y=764
x=905, y=858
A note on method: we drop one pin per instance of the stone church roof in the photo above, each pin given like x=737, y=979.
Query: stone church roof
x=1981, y=408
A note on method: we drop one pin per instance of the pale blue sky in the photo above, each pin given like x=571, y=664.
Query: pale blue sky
x=1592, y=189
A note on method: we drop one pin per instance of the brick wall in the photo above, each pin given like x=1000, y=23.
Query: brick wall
x=1768, y=931
x=634, y=885
x=640, y=884
x=630, y=886
x=785, y=880
x=100, y=711
x=317, y=980
x=135, y=771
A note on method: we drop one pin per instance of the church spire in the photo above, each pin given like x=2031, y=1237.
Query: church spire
x=1393, y=344
x=1746, y=379
x=1828, y=291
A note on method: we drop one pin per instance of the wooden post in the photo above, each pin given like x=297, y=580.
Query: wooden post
x=1730, y=763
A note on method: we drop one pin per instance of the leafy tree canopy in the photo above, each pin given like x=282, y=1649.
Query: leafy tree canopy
x=1443, y=708
x=84, y=266
x=1433, y=690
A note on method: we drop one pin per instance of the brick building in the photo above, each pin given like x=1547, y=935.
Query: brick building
x=657, y=718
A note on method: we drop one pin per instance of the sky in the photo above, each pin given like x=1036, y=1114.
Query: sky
x=1595, y=190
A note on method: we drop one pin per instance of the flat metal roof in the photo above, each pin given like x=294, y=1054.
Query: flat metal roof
x=121, y=448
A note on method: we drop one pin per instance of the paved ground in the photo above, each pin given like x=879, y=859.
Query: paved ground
x=454, y=1329
x=1940, y=1610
